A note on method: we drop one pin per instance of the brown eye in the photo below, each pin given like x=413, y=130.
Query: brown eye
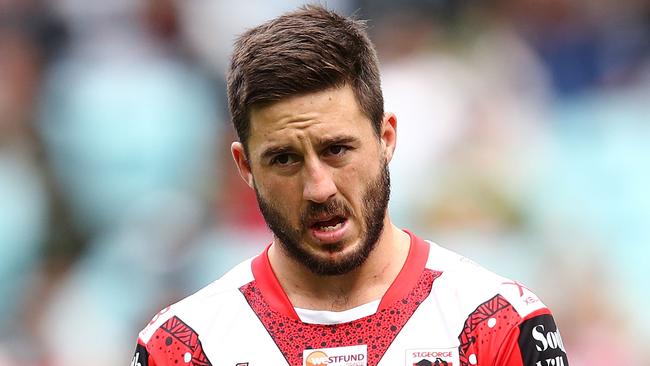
x=283, y=159
x=337, y=150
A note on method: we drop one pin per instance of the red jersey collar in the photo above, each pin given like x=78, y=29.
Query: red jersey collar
x=406, y=279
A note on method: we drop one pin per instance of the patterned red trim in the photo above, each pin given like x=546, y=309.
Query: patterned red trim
x=479, y=339
x=377, y=331
x=175, y=339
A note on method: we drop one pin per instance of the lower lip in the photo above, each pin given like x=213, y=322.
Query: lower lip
x=330, y=236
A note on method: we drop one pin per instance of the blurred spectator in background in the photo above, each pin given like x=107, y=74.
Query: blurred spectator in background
x=584, y=44
x=530, y=121
x=129, y=126
x=28, y=39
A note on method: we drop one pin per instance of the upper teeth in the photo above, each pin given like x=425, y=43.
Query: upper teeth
x=332, y=228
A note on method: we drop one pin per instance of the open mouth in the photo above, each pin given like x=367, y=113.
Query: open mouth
x=331, y=224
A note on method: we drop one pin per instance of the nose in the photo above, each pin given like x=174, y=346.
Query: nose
x=318, y=183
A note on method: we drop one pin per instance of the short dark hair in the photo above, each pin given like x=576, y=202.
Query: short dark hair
x=304, y=51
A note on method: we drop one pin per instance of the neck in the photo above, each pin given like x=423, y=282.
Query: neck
x=367, y=283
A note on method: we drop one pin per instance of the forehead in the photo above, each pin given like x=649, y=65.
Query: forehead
x=321, y=114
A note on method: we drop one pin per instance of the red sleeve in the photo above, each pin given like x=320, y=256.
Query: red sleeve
x=535, y=342
x=173, y=343
x=509, y=353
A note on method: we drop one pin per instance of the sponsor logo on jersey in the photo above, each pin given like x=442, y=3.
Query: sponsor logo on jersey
x=540, y=342
x=136, y=360
x=432, y=357
x=141, y=356
x=338, y=356
x=547, y=339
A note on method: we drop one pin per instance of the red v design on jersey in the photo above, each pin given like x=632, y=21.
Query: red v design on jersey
x=377, y=331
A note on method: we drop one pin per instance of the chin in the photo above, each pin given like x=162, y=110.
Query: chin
x=338, y=259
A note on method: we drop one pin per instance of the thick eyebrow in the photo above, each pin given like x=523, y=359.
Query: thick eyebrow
x=275, y=150
x=335, y=140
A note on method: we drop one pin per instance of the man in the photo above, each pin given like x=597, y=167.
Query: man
x=339, y=284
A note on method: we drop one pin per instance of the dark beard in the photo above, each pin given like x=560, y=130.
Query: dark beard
x=375, y=202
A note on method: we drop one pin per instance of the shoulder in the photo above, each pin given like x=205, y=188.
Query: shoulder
x=500, y=321
x=217, y=297
x=472, y=284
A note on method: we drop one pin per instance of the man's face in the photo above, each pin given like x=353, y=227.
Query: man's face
x=320, y=175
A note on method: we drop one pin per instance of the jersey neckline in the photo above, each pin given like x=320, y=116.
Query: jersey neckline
x=406, y=279
x=323, y=317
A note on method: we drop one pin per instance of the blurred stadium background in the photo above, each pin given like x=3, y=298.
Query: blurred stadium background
x=524, y=144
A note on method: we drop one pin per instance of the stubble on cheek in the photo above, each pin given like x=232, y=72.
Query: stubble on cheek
x=372, y=204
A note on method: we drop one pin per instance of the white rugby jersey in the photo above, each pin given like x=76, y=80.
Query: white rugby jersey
x=442, y=309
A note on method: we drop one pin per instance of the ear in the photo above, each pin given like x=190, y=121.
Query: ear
x=389, y=134
x=239, y=155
